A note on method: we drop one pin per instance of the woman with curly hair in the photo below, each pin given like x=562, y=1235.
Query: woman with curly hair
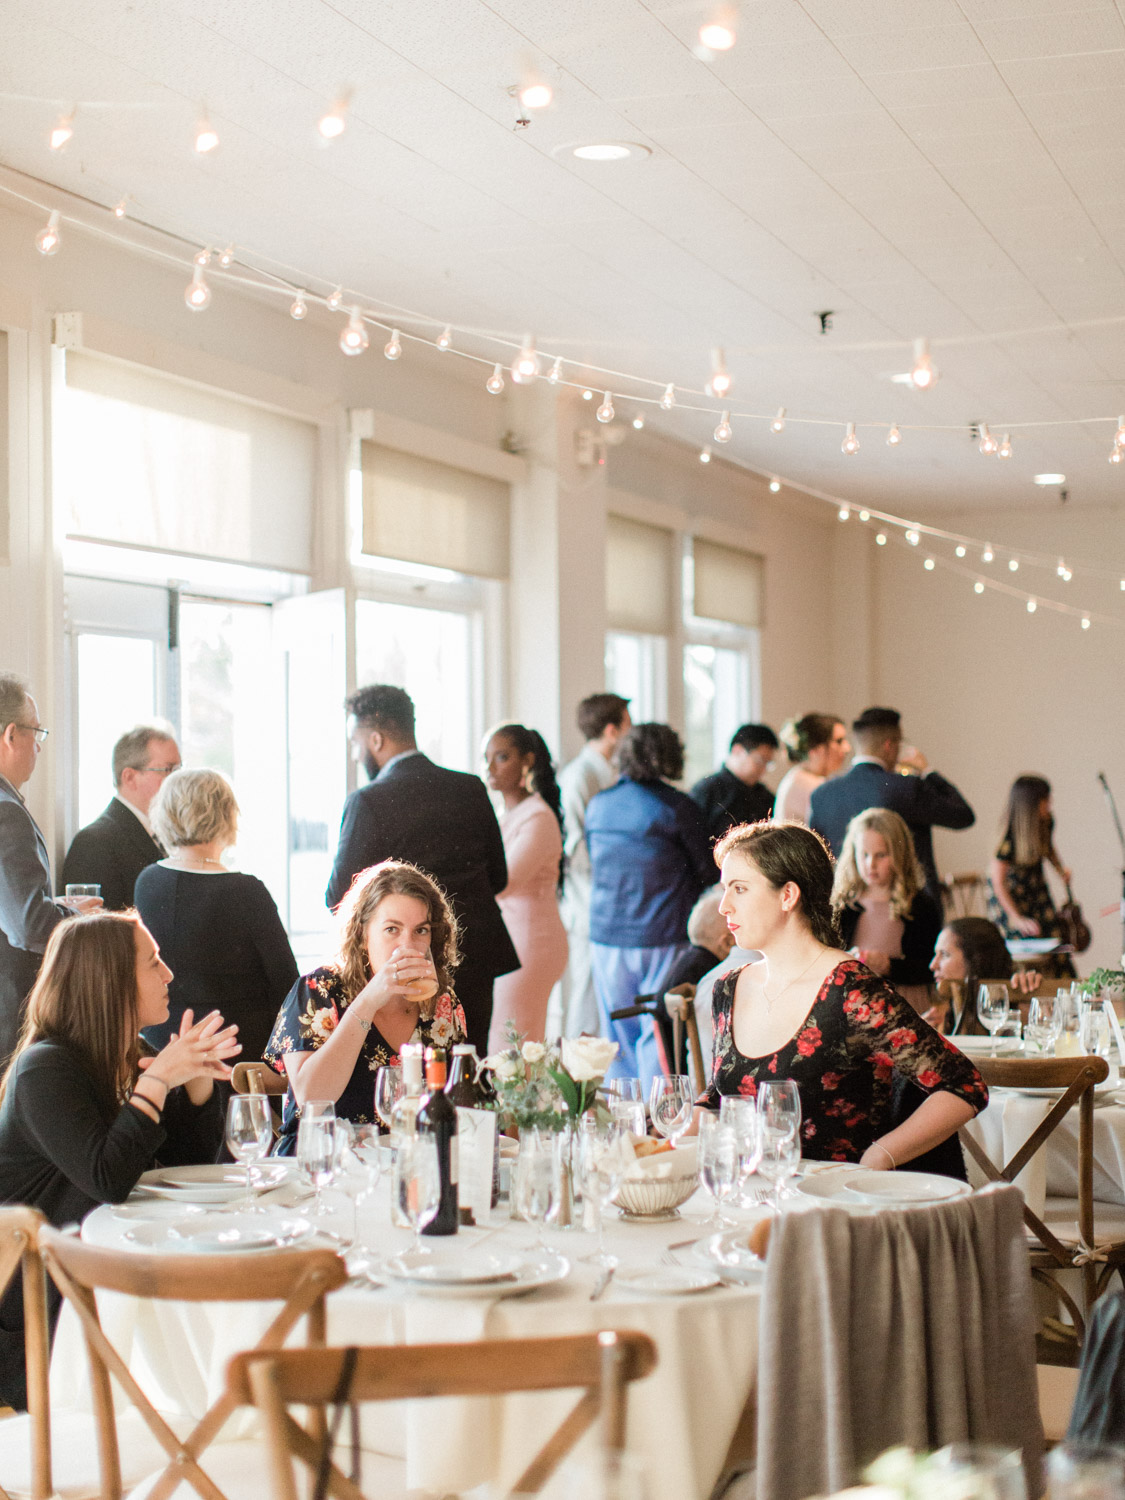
x=817, y=746
x=390, y=982
x=885, y=917
x=650, y=860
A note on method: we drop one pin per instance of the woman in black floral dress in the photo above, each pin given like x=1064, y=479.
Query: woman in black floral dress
x=389, y=983
x=1019, y=898
x=810, y=1012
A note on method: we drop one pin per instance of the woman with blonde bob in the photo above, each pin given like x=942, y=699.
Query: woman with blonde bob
x=885, y=917
x=390, y=982
x=83, y=1112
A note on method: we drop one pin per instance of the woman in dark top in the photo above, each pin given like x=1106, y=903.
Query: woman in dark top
x=810, y=1012
x=1019, y=898
x=885, y=917
x=969, y=952
x=82, y=1112
x=390, y=982
x=218, y=929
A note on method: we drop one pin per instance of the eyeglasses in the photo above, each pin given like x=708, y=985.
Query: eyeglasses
x=37, y=730
x=161, y=771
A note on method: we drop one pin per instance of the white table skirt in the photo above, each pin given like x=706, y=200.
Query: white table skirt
x=681, y=1419
x=1010, y=1118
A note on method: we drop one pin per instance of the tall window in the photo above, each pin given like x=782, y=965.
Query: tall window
x=640, y=608
x=722, y=594
x=636, y=667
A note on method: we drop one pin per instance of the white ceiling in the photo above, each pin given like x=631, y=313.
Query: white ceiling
x=950, y=168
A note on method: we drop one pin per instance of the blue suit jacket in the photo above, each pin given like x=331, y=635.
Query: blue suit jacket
x=28, y=915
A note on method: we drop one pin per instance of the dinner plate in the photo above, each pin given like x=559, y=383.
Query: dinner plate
x=533, y=1270
x=1103, y=1090
x=434, y=1267
x=214, y=1184
x=1031, y=947
x=904, y=1187
x=981, y=1046
x=832, y=1187
x=219, y=1234
x=729, y=1254
x=667, y=1281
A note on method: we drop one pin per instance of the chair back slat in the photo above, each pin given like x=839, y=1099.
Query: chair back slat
x=257, y=1078
x=19, y=1250
x=1041, y=1072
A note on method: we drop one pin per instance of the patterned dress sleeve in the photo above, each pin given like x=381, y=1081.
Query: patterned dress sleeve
x=307, y=1018
x=892, y=1037
x=722, y=1006
x=447, y=1027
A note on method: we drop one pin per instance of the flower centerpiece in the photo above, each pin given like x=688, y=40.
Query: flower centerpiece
x=541, y=1086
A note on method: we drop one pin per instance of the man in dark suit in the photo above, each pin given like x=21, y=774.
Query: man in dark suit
x=114, y=849
x=735, y=794
x=28, y=915
x=440, y=820
x=923, y=800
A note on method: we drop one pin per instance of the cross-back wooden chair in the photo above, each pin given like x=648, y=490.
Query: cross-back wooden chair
x=601, y=1363
x=19, y=1251
x=299, y=1279
x=964, y=895
x=680, y=1003
x=260, y=1078
x=1050, y=1254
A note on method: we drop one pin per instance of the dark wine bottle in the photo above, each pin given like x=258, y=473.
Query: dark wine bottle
x=438, y=1114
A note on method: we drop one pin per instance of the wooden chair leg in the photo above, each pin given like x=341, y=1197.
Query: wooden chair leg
x=37, y=1354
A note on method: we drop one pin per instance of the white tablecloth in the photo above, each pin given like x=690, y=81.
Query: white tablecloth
x=681, y=1419
x=1009, y=1119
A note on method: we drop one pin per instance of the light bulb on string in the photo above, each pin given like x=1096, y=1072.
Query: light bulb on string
x=525, y=366
x=226, y=257
x=865, y=515
x=720, y=32
x=298, y=308
x=668, y=400
x=894, y=437
x=495, y=382
x=605, y=412
x=1085, y=622
x=1115, y=455
x=1005, y=448
x=121, y=208
x=335, y=122
x=392, y=349
x=722, y=432
x=988, y=443
x=1031, y=606
x=843, y=513
x=705, y=456
x=960, y=551
x=198, y=293
x=988, y=554
x=334, y=299
x=206, y=136
x=923, y=375
x=929, y=565
x=587, y=394
x=775, y=486
x=850, y=445
x=48, y=240
x=1119, y=435
x=639, y=422
x=555, y=373
x=445, y=338
x=203, y=257
x=353, y=337
x=1061, y=570
x=720, y=382
x=1013, y=565
x=881, y=539
x=913, y=538
x=62, y=131
x=778, y=423
x=978, y=587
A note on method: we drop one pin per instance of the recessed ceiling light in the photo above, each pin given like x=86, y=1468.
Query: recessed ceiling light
x=1050, y=479
x=605, y=151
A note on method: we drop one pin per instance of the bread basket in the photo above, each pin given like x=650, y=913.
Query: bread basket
x=657, y=1185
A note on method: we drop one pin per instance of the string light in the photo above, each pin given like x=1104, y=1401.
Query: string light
x=850, y=445
x=719, y=34
x=865, y=515
x=525, y=366
x=960, y=551
x=705, y=456
x=587, y=394
x=298, y=308
x=1119, y=435
x=203, y=257
x=445, y=338
x=778, y=423
x=48, y=240
x=334, y=299
x=353, y=337
x=723, y=430
x=62, y=132
x=988, y=554
x=495, y=382
x=843, y=513
x=894, y=437
x=604, y=412
x=923, y=375
x=668, y=400
x=119, y=209
x=720, y=382
x=198, y=293
x=1005, y=448
x=1031, y=606
x=1085, y=622
x=988, y=443
x=881, y=539
x=775, y=486
x=929, y=565
x=1062, y=570
x=556, y=371
x=206, y=136
x=392, y=349
x=639, y=421
x=1013, y=565
x=226, y=257
x=913, y=538
x=1115, y=455
x=978, y=587
x=335, y=122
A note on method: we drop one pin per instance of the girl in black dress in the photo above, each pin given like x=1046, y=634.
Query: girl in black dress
x=1019, y=898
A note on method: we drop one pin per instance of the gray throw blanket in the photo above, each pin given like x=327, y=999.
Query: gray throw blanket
x=913, y=1326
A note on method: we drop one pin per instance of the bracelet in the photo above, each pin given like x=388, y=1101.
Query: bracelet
x=880, y=1147
x=365, y=1026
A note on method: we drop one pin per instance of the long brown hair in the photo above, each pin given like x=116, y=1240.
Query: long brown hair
x=1031, y=834
x=785, y=852
x=86, y=996
x=369, y=888
x=907, y=879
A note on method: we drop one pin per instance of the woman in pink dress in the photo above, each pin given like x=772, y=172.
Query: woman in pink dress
x=520, y=769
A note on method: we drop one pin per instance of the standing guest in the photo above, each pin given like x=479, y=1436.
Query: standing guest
x=28, y=914
x=650, y=859
x=603, y=718
x=885, y=917
x=971, y=951
x=219, y=928
x=734, y=794
x=923, y=800
x=1019, y=899
x=817, y=746
x=82, y=1112
x=440, y=820
x=520, y=769
x=114, y=849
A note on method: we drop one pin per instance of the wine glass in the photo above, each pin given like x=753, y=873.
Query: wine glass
x=670, y=1102
x=630, y=1115
x=417, y=1183
x=993, y=1006
x=625, y=1089
x=1043, y=1018
x=742, y=1117
x=780, y=1158
x=537, y=1179
x=249, y=1135
x=720, y=1165
x=779, y=1105
x=316, y=1154
x=603, y=1159
x=1094, y=1030
x=389, y=1089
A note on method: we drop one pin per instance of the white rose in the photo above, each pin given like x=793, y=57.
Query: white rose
x=587, y=1057
x=533, y=1052
x=506, y=1066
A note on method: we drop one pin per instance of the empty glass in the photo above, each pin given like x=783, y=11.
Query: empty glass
x=630, y=1115
x=1043, y=1017
x=388, y=1091
x=720, y=1162
x=625, y=1088
x=316, y=1154
x=742, y=1116
x=1094, y=1031
x=779, y=1104
x=670, y=1103
x=993, y=1006
x=780, y=1159
x=417, y=1182
x=603, y=1157
x=249, y=1134
x=992, y=1472
x=537, y=1179
x=1079, y=1471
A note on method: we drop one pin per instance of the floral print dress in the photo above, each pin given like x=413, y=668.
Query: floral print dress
x=857, y=1036
x=312, y=1011
x=1031, y=895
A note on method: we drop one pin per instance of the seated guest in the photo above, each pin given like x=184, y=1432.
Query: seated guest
x=970, y=952
x=114, y=849
x=810, y=1012
x=650, y=860
x=82, y=1112
x=885, y=917
x=217, y=927
x=390, y=982
x=711, y=942
x=817, y=746
x=735, y=794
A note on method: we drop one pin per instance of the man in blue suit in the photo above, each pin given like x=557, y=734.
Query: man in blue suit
x=922, y=798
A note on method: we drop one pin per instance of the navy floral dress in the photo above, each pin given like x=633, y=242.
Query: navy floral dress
x=310, y=1015
x=857, y=1036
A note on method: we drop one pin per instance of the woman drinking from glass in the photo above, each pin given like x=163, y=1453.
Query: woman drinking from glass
x=810, y=1012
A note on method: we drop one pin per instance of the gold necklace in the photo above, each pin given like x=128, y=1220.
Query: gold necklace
x=766, y=994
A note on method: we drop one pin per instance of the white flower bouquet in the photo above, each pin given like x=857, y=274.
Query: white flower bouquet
x=548, y=1086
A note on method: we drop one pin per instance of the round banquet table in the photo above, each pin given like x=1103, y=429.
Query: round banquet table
x=681, y=1421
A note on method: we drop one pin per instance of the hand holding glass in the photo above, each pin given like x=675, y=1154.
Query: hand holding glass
x=249, y=1134
x=670, y=1105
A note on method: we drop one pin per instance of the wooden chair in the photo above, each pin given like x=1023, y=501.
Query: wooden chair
x=299, y=1279
x=19, y=1251
x=1050, y=1254
x=601, y=1363
x=260, y=1078
x=680, y=1003
x=964, y=895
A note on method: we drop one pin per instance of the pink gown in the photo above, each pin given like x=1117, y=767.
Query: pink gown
x=529, y=902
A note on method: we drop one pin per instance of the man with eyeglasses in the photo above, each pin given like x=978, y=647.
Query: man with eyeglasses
x=114, y=849
x=28, y=914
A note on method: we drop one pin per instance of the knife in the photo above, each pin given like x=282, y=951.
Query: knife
x=602, y=1282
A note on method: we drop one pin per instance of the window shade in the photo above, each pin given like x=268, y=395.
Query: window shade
x=419, y=511
x=638, y=576
x=145, y=458
x=728, y=583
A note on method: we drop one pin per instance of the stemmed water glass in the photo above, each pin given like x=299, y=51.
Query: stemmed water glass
x=720, y=1164
x=742, y=1117
x=602, y=1162
x=670, y=1105
x=249, y=1135
x=316, y=1154
x=993, y=1006
x=417, y=1183
x=1043, y=1019
x=779, y=1105
x=537, y=1179
x=779, y=1117
x=626, y=1104
x=389, y=1089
